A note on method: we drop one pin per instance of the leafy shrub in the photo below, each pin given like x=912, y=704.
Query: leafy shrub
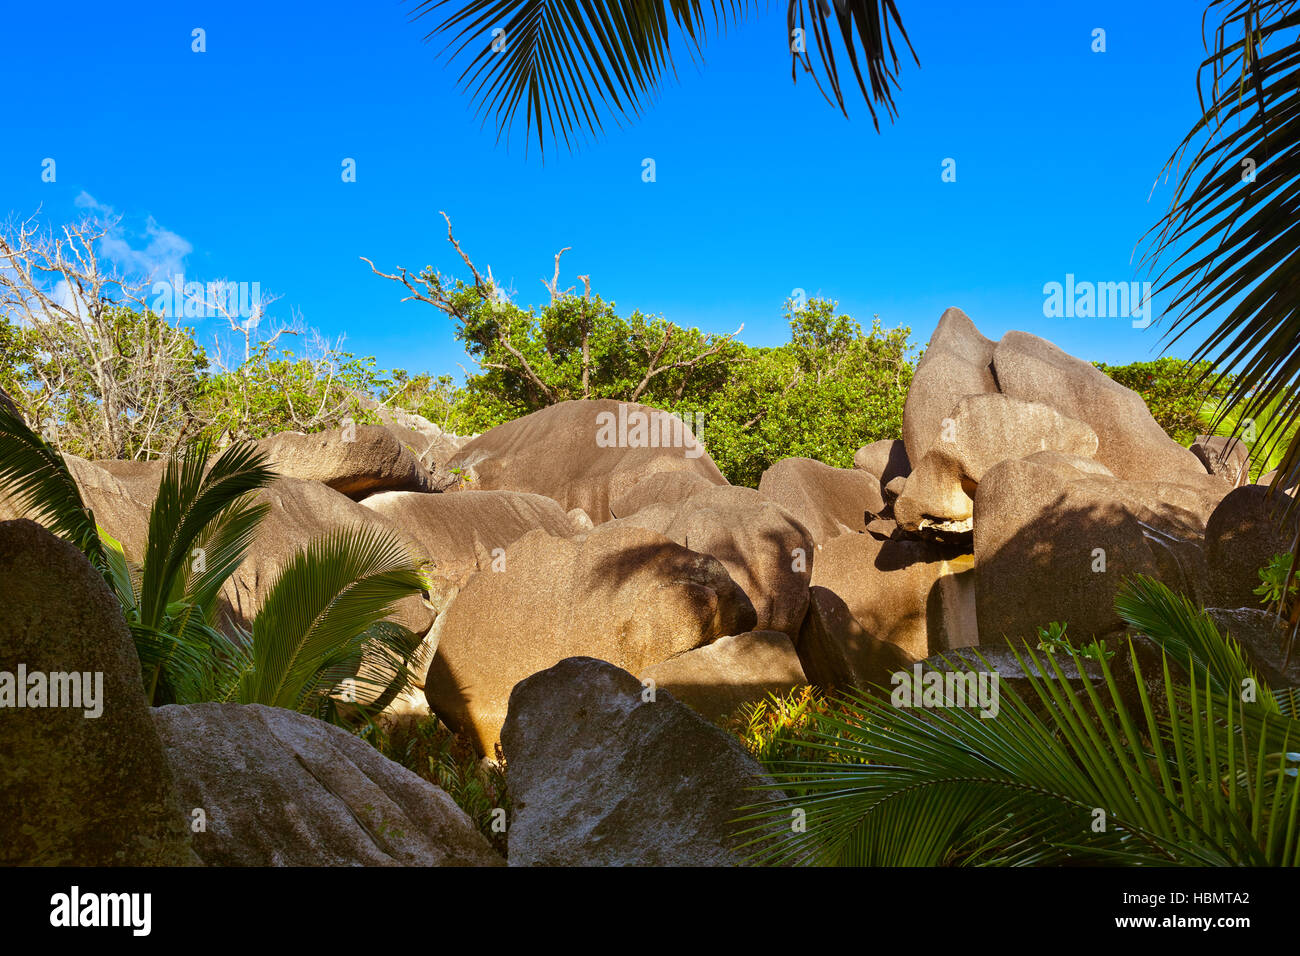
x=1173, y=390
x=431, y=750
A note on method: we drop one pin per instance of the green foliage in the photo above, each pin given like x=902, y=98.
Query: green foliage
x=429, y=749
x=278, y=390
x=1278, y=586
x=322, y=621
x=1073, y=773
x=776, y=729
x=1264, y=427
x=1053, y=638
x=1226, y=250
x=34, y=474
x=830, y=390
x=1175, y=391
x=127, y=393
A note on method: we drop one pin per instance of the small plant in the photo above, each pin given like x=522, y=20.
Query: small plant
x=448, y=761
x=778, y=730
x=1052, y=639
x=1277, y=588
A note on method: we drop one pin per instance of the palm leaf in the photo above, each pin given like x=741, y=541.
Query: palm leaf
x=196, y=504
x=570, y=65
x=1231, y=241
x=1188, y=635
x=35, y=476
x=1200, y=781
x=323, y=621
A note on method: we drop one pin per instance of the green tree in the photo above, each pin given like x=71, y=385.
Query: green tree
x=824, y=394
x=1175, y=390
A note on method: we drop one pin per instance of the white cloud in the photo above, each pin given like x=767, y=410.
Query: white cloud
x=152, y=252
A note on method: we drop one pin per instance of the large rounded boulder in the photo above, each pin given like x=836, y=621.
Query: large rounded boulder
x=584, y=454
x=627, y=594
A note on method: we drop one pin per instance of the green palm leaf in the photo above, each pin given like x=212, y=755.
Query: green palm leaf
x=35, y=476
x=197, y=503
x=1069, y=775
x=323, y=622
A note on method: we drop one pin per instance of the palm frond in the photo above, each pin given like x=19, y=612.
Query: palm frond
x=1189, y=636
x=196, y=503
x=571, y=65
x=864, y=21
x=35, y=476
x=1231, y=238
x=323, y=621
x=1068, y=775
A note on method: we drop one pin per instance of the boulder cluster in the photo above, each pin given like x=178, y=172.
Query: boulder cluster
x=595, y=608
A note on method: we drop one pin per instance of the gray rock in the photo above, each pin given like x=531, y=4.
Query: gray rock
x=77, y=790
x=599, y=776
x=278, y=788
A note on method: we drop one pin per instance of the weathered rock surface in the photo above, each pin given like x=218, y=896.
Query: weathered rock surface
x=1228, y=458
x=624, y=592
x=827, y=501
x=716, y=679
x=1264, y=641
x=76, y=790
x=601, y=777
x=956, y=363
x=560, y=452
x=1242, y=535
x=301, y=511
x=981, y=431
x=354, y=462
x=908, y=594
x=764, y=549
x=885, y=459
x=658, y=488
x=1048, y=549
x=460, y=534
x=1131, y=444
x=278, y=788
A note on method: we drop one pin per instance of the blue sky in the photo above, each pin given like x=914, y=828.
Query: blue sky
x=229, y=162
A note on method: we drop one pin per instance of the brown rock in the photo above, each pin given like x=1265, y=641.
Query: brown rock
x=300, y=512
x=911, y=594
x=716, y=679
x=357, y=461
x=461, y=534
x=956, y=363
x=1047, y=549
x=827, y=501
x=982, y=431
x=763, y=548
x=1228, y=458
x=1131, y=444
x=621, y=591
x=658, y=488
x=1242, y=535
x=584, y=454
x=885, y=459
